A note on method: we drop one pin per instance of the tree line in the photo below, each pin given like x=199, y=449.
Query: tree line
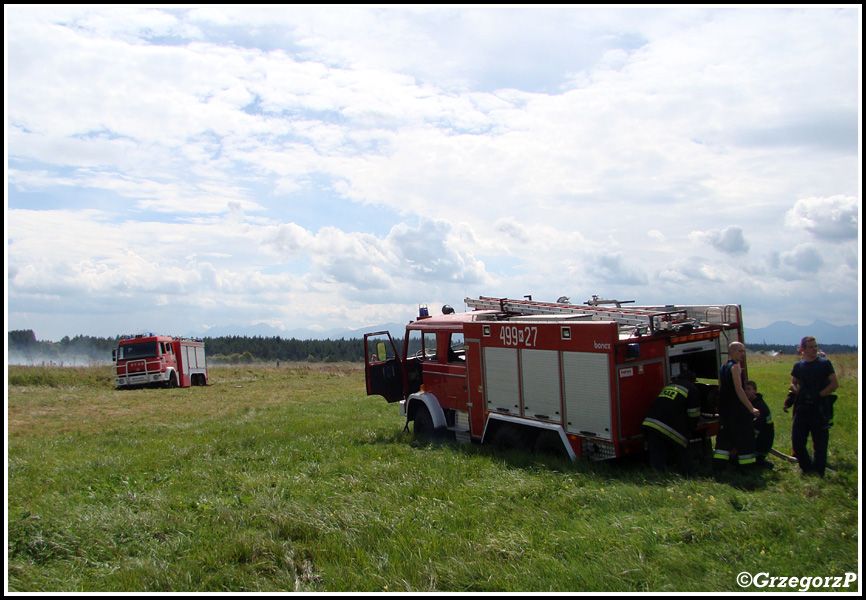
x=792, y=348
x=240, y=349
x=24, y=348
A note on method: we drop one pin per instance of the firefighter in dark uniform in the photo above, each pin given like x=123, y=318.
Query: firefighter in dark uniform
x=736, y=437
x=765, y=429
x=670, y=422
x=813, y=381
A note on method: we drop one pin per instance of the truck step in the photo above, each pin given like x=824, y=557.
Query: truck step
x=461, y=434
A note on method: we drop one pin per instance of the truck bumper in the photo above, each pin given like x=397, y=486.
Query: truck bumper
x=140, y=379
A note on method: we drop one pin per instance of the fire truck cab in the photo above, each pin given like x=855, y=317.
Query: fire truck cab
x=574, y=379
x=156, y=360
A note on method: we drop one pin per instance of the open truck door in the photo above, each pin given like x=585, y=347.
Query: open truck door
x=383, y=367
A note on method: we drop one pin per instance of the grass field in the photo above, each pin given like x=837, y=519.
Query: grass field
x=292, y=479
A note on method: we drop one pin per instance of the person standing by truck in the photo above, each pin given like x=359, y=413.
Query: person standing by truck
x=736, y=414
x=813, y=381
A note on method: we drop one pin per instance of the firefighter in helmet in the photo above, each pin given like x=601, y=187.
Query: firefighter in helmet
x=670, y=422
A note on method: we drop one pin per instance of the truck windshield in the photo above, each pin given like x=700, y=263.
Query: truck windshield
x=139, y=350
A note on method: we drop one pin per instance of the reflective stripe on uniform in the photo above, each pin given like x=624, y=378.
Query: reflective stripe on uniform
x=743, y=459
x=746, y=459
x=667, y=430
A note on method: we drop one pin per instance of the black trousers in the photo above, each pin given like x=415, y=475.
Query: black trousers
x=661, y=447
x=810, y=420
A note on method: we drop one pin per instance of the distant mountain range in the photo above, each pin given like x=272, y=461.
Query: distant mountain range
x=785, y=332
x=780, y=332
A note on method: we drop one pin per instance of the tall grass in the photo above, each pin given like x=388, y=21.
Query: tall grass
x=292, y=479
x=55, y=376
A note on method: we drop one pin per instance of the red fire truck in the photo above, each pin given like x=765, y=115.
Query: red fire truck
x=157, y=360
x=575, y=379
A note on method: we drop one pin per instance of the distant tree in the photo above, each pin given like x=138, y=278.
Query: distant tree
x=21, y=338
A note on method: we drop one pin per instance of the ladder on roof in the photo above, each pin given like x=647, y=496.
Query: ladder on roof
x=653, y=319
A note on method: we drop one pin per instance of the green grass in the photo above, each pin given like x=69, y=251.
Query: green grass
x=293, y=479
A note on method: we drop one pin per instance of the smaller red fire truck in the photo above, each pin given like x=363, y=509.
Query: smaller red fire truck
x=156, y=360
x=575, y=379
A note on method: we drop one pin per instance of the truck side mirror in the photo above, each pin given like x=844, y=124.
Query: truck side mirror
x=114, y=355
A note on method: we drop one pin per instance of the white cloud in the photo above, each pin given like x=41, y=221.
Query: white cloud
x=288, y=239
x=615, y=267
x=695, y=271
x=834, y=219
x=804, y=259
x=729, y=240
x=510, y=227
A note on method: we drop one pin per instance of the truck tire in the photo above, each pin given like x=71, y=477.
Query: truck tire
x=510, y=437
x=424, y=427
x=549, y=442
x=172, y=381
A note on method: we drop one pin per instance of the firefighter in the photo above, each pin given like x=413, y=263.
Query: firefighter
x=813, y=380
x=765, y=430
x=736, y=433
x=670, y=422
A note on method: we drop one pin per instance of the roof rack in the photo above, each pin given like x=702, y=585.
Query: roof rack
x=641, y=319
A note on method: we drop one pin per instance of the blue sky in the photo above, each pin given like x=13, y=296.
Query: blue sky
x=178, y=169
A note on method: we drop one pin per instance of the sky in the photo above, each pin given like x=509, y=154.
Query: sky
x=316, y=167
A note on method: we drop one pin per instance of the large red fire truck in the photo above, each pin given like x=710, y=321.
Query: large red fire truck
x=157, y=360
x=577, y=379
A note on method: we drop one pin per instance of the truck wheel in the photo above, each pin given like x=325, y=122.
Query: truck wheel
x=424, y=427
x=549, y=442
x=510, y=437
x=172, y=381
